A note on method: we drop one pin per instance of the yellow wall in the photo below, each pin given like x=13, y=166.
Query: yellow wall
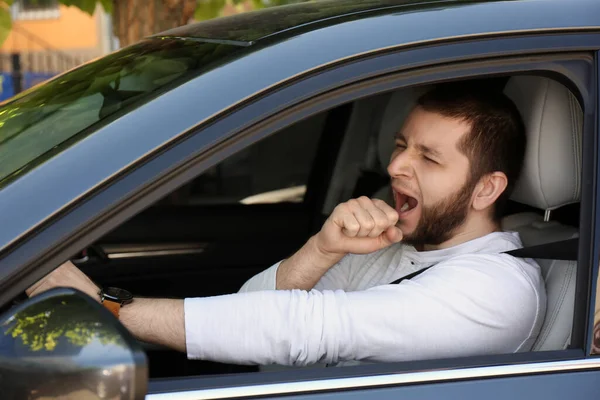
x=72, y=30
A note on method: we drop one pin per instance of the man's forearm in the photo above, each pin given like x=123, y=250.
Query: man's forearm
x=158, y=321
x=304, y=269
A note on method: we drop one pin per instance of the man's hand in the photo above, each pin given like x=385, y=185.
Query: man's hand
x=359, y=226
x=67, y=275
x=159, y=321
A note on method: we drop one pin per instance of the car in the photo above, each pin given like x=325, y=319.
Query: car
x=184, y=164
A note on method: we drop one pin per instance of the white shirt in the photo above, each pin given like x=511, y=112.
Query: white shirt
x=473, y=301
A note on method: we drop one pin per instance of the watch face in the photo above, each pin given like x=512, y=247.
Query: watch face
x=116, y=294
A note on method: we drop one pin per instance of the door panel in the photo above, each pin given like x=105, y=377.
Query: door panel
x=568, y=385
x=233, y=243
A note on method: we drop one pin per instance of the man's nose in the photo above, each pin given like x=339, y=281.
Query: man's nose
x=401, y=165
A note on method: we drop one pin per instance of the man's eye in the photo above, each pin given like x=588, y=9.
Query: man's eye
x=400, y=145
x=431, y=160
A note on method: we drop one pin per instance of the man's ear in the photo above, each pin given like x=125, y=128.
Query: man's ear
x=488, y=189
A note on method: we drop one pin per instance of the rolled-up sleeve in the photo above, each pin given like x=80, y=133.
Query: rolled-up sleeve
x=445, y=312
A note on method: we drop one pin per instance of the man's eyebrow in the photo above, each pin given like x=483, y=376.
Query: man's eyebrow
x=422, y=148
x=400, y=136
x=428, y=150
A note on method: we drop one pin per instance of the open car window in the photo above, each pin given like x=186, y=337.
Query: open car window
x=234, y=243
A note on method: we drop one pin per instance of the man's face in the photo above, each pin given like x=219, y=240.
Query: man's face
x=430, y=184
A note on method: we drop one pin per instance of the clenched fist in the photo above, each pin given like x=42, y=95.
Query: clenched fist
x=359, y=226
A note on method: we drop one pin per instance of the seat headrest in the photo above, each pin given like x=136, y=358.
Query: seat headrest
x=551, y=175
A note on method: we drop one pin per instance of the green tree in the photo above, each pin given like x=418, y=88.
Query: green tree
x=5, y=22
x=135, y=19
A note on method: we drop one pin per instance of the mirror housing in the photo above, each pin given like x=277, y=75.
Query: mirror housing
x=63, y=344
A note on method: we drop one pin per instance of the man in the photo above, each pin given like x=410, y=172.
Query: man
x=456, y=160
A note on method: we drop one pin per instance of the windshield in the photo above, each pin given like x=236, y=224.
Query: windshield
x=48, y=118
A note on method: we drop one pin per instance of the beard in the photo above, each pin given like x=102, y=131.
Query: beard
x=438, y=223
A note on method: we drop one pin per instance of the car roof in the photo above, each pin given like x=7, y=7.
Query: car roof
x=255, y=26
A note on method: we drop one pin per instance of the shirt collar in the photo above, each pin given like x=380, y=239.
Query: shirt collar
x=479, y=245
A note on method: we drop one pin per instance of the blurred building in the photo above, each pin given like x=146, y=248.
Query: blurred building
x=48, y=38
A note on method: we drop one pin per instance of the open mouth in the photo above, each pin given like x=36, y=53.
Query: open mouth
x=405, y=203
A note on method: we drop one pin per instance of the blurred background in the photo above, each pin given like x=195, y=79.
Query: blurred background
x=43, y=38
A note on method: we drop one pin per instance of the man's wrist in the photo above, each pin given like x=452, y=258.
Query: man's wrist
x=324, y=258
x=114, y=299
x=304, y=269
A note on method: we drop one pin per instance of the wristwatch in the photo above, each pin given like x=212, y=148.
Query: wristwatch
x=114, y=298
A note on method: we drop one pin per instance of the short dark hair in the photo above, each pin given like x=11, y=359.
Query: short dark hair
x=497, y=138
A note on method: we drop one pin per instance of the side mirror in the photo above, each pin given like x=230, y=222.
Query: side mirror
x=63, y=344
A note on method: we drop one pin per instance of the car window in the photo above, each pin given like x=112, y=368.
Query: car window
x=274, y=170
x=48, y=118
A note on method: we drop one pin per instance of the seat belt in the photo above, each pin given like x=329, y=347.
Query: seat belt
x=562, y=250
x=410, y=276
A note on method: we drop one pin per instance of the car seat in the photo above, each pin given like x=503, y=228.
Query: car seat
x=551, y=178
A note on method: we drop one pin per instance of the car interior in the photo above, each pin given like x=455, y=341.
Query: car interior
x=260, y=205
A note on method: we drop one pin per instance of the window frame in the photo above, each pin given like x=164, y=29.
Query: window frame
x=171, y=168
x=595, y=273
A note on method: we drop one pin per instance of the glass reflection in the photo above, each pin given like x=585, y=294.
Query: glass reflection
x=57, y=323
x=60, y=344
